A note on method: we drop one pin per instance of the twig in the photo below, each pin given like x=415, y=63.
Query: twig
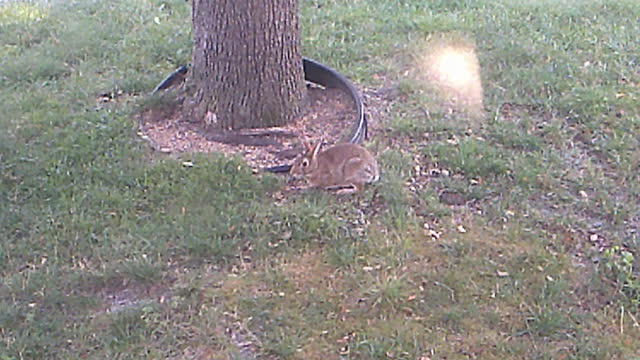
x=453, y=295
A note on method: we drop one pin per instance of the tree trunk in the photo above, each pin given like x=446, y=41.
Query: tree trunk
x=247, y=66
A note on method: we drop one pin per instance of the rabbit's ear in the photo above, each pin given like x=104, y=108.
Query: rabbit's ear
x=316, y=149
x=307, y=146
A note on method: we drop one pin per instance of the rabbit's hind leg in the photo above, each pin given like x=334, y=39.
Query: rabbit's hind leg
x=347, y=188
x=343, y=189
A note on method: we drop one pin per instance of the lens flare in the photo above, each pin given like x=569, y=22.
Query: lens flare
x=453, y=72
x=454, y=68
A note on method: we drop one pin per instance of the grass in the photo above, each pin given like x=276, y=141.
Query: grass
x=110, y=250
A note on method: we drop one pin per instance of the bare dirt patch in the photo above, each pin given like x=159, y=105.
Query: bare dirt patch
x=329, y=115
x=124, y=295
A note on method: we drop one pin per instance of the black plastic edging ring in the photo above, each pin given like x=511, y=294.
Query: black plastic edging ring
x=314, y=72
x=320, y=74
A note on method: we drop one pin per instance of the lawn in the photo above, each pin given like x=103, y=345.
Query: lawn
x=507, y=232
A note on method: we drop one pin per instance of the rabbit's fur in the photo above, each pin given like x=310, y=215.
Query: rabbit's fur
x=343, y=167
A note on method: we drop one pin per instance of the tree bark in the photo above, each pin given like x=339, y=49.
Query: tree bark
x=247, y=65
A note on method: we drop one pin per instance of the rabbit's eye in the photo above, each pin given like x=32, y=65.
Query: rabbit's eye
x=305, y=163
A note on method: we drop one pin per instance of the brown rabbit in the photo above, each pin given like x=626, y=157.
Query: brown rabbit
x=343, y=167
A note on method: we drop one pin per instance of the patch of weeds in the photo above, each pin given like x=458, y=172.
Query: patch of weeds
x=549, y=323
x=387, y=292
x=620, y=266
x=140, y=270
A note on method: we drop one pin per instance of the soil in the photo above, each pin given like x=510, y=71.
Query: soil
x=329, y=116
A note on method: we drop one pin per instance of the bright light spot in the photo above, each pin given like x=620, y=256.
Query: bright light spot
x=454, y=67
x=451, y=69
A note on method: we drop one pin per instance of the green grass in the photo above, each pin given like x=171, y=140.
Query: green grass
x=109, y=250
